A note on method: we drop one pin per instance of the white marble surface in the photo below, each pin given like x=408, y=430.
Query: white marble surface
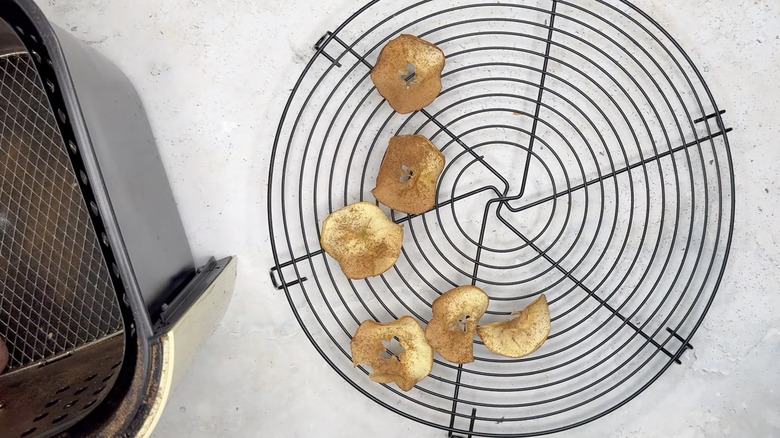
x=214, y=76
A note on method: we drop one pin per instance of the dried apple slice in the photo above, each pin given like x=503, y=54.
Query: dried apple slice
x=364, y=241
x=408, y=73
x=455, y=316
x=409, y=173
x=519, y=336
x=407, y=369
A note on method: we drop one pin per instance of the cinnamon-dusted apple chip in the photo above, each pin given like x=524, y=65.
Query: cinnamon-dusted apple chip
x=408, y=73
x=409, y=174
x=455, y=316
x=362, y=239
x=407, y=369
x=519, y=336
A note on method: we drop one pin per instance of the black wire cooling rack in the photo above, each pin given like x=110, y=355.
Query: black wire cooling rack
x=586, y=159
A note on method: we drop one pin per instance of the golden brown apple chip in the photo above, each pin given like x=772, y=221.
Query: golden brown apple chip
x=408, y=73
x=362, y=239
x=409, y=174
x=455, y=316
x=407, y=369
x=519, y=336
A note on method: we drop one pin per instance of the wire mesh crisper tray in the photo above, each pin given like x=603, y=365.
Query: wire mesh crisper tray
x=57, y=294
x=586, y=159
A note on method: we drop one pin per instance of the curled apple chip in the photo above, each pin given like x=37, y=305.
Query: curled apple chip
x=364, y=241
x=455, y=316
x=519, y=336
x=406, y=369
x=409, y=174
x=408, y=73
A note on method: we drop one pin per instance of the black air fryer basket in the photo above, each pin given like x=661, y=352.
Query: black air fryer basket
x=95, y=268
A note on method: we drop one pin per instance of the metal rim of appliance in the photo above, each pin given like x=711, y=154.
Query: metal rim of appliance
x=644, y=64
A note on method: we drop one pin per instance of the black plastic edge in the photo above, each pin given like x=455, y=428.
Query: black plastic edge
x=175, y=309
x=38, y=36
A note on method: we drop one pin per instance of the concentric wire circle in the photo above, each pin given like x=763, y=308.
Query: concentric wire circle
x=586, y=160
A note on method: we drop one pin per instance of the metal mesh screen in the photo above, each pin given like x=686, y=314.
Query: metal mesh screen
x=55, y=290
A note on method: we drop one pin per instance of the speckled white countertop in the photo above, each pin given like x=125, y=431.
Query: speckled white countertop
x=214, y=76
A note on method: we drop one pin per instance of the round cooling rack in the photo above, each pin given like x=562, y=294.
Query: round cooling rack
x=586, y=160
